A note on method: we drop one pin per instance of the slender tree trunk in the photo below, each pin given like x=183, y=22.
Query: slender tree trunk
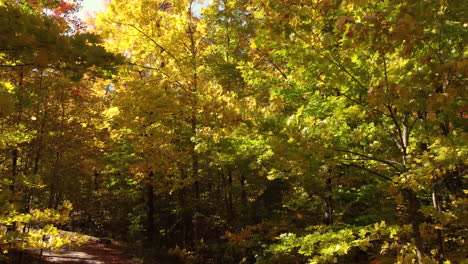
x=416, y=218
x=195, y=165
x=243, y=191
x=185, y=217
x=37, y=153
x=14, y=169
x=95, y=181
x=194, y=88
x=51, y=196
x=150, y=210
x=196, y=183
x=58, y=198
x=329, y=199
x=440, y=232
x=55, y=181
x=230, y=201
x=14, y=172
x=225, y=192
x=194, y=121
x=445, y=127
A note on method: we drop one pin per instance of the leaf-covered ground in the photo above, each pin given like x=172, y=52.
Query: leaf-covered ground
x=89, y=253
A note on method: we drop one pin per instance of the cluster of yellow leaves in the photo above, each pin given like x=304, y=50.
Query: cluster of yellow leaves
x=36, y=224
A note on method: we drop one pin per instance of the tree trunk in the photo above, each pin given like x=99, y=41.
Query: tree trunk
x=225, y=193
x=150, y=210
x=95, y=180
x=416, y=219
x=329, y=199
x=243, y=191
x=51, y=196
x=230, y=202
x=185, y=218
x=14, y=169
x=58, y=198
x=440, y=232
x=195, y=165
x=14, y=172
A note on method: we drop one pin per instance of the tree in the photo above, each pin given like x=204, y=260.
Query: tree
x=257, y=131
x=367, y=65
x=42, y=64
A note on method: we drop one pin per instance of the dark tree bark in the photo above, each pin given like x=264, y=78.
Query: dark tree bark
x=416, y=218
x=440, y=256
x=230, y=199
x=329, y=199
x=185, y=218
x=243, y=191
x=150, y=210
x=14, y=169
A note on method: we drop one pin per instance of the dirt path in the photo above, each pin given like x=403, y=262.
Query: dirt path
x=89, y=253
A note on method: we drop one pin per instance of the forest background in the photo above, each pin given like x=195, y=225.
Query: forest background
x=258, y=131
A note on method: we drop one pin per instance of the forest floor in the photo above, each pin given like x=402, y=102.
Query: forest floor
x=88, y=253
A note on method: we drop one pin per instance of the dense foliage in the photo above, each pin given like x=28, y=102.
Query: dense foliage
x=256, y=131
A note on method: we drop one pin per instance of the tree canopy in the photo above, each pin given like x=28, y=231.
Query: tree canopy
x=252, y=131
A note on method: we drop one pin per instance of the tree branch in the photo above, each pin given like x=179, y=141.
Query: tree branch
x=337, y=64
x=156, y=69
x=17, y=65
x=151, y=39
x=369, y=170
x=384, y=161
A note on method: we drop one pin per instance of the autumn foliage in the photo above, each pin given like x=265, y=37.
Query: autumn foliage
x=238, y=131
